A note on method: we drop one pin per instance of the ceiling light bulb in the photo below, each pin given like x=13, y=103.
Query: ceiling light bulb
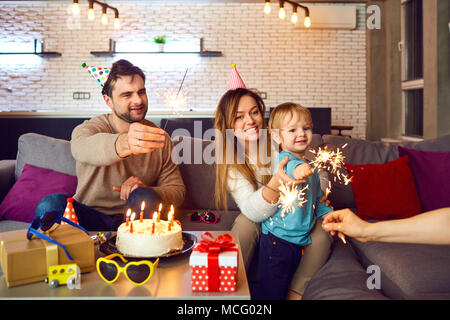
x=281, y=13
x=307, y=22
x=75, y=8
x=294, y=18
x=267, y=8
x=104, y=18
x=91, y=14
x=116, y=23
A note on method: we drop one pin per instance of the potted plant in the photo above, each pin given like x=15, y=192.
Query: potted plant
x=160, y=40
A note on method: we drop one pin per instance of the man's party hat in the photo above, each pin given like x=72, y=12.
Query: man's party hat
x=98, y=73
x=235, y=80
x=69, y=213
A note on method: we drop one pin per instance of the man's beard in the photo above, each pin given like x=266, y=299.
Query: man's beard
x=127, y=116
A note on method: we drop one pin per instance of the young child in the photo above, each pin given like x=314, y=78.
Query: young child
x=282, y=238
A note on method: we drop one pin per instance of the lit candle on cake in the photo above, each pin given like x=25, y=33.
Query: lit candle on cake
x=170, y=220
x=155, y=217
x=159, y=212
x=128, y=217
x=133, y=215
x=141, y=218
x=173, y=215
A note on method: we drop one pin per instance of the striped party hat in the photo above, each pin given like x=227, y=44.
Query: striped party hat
x=99, y=74
x=235, y=80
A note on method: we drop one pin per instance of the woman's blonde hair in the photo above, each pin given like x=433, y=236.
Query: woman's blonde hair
x=281, y=111
x=224, y=120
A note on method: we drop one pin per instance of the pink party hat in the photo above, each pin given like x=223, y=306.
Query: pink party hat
x=235, y=80
x=98, y=73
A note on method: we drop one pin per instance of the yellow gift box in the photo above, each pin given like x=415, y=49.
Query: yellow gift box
x=25, y=261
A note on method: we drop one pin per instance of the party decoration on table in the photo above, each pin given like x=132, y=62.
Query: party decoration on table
x=206, y=216
x=26, y=261
x=290, y=196
x=45, y=223
x=68, y=274
x=69, y=212
x=101, y=237
x=99, y=74
x=214, y=264
x=137, y=272
x=235, y=81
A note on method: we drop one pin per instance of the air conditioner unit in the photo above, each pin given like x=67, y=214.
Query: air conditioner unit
x=329, y=17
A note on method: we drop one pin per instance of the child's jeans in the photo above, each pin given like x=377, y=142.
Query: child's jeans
x=278, y=260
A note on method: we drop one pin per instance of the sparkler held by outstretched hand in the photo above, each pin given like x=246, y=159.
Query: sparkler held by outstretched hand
x=289, y=196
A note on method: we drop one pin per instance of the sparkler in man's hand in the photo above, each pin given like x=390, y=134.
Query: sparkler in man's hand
x=176, y=100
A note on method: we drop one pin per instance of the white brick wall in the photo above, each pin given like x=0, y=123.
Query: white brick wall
x=317, y=68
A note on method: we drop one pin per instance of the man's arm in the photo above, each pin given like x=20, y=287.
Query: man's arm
x=91, y=144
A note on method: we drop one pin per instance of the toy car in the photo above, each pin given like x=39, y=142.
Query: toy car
x=68, y=274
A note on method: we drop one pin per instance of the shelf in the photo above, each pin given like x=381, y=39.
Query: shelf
x=112, y=51
x=41, y=54
x=35, y=52
x=202, y=54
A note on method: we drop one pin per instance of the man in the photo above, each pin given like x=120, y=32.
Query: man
x=121, y=158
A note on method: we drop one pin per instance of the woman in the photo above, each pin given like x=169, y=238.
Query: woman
x=246, y=174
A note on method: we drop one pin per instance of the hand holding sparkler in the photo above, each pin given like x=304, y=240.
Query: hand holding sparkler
x=270, y=193
x=303, y=171
x=140, y=138
x=345, y=221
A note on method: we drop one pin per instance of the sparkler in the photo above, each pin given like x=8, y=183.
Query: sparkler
x=289, y=195
x=176, y=100
x=333, y=162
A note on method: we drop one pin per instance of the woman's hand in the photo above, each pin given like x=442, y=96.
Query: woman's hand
x=347, y=222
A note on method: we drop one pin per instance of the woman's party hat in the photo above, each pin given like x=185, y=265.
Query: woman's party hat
x=235, y=80
x=98, y=73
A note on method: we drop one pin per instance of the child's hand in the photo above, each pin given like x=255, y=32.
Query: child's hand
x=303, y=171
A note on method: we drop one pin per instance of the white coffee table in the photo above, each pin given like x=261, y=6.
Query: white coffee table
x=172, y=280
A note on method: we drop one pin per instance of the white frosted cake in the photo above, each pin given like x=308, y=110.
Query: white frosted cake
x=142, y=243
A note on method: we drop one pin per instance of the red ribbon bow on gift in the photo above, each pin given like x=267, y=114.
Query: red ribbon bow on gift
x=210, y=244
x=214, y=246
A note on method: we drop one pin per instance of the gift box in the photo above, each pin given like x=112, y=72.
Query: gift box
x=25, y=261
x=214, y=264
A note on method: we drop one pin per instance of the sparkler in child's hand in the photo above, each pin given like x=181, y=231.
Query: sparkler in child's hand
x=289, y=196
x=332, y=161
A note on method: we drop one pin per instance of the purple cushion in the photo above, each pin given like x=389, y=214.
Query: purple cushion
x=431, y=172
x=34, y=183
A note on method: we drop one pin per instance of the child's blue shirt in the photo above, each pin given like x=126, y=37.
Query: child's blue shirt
x=296, y=226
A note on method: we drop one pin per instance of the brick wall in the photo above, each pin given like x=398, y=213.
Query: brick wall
x=317, y=68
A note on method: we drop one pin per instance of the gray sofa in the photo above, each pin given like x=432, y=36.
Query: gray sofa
x=407, y=271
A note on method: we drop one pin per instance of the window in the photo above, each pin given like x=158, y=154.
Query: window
x=412, y=68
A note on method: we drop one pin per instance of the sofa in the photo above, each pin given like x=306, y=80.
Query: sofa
x=408, y=271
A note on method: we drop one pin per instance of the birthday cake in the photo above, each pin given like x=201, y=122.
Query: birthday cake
x=142, y=241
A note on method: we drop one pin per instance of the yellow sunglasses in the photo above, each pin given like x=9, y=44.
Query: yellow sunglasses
x=137, y=272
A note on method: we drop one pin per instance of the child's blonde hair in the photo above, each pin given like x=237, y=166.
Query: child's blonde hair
x=280, y=112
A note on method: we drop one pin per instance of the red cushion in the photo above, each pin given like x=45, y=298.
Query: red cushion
x=385, y=191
